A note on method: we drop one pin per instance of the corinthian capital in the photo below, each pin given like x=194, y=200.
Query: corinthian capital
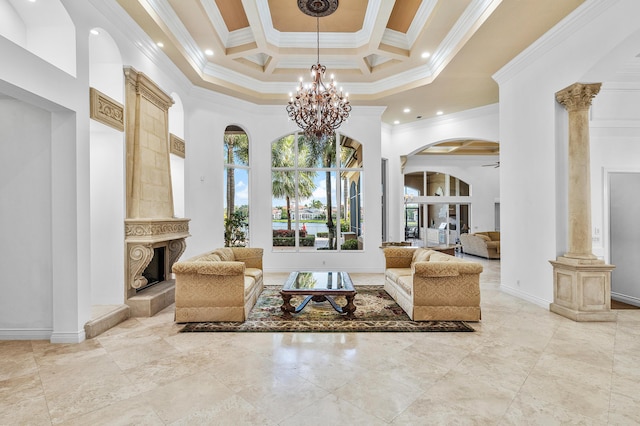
x=578, y=96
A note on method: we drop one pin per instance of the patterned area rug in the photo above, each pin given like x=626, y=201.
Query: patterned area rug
x=375, y=311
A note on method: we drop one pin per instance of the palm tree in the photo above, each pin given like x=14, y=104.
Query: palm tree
x=236, y=146
x=323, y=149
x=284, y=181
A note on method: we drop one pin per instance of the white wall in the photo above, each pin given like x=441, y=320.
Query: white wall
x=107, y=215
x=25, y=221
x=533, y=137
x=615, y=146
x=107, y=168
x=44, y=28
x=176, y=127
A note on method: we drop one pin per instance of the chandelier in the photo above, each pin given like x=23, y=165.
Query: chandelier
x=318, y=108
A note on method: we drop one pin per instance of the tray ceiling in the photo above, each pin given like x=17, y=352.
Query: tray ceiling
x=258, y=49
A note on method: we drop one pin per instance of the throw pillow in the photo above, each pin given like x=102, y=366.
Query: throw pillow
x=441, y=257
x=484, y=237
x=211, y=257
x=225, y=253
x=420, y=255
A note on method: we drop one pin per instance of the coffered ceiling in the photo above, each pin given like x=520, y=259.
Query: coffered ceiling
x=417, y=57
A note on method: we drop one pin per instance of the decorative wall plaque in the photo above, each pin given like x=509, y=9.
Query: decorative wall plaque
x=176, y=145
x=106, y=110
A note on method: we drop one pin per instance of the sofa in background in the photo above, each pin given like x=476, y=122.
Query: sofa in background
x=221, y=285
x=483, y=244
x=430, y=285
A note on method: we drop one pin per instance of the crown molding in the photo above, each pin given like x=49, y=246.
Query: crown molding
x=165, y=12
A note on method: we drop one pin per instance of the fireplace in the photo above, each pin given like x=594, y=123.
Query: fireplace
x=148, y=241
x=154, y=237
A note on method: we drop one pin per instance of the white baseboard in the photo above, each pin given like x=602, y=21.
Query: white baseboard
x=68, y=337
x=629, y=300
x=25, y=333
x=526, y=296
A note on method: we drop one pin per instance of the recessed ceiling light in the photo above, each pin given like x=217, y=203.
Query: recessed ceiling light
x=396, y=122
x=208, y=52
x=407, y=110
x=439, y=113
x=94, y=32
x=160, y=44
x=32, y=1
x=425, y=55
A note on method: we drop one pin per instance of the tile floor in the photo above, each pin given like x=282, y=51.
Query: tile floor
x=524, y=365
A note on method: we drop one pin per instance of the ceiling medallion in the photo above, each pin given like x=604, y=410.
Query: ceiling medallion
x=318, y=8
x=318, y=108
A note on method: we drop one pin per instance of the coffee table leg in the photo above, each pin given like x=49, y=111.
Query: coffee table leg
x=286, y=305
x=350, y=307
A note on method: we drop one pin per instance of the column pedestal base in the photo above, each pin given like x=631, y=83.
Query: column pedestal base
x=582, y=289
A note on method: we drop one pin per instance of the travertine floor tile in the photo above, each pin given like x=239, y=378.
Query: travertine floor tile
x=523, y=365
x=380, y=395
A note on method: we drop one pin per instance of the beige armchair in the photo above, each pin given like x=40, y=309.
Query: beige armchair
x=483, y=244
x=433, y=286
x=221, y=285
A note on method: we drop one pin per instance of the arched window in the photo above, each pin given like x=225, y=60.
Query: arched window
x=236, y=187
x=313, y=207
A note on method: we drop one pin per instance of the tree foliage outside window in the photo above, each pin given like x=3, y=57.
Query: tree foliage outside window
x=236, y=179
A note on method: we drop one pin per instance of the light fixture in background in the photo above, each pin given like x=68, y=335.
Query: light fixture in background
x=208, y=52
x=318, y=108
x=160, y=44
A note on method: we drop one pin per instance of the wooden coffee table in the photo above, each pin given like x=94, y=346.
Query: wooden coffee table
x=319, y=287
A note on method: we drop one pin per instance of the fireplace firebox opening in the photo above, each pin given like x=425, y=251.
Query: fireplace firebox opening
x=155, y=271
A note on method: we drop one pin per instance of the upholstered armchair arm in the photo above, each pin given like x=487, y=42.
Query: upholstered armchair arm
x=252, y=257
x=398, y=257
x=494, y=244
x=209, y=268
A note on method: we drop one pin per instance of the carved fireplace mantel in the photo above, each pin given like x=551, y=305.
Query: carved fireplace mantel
x=142, y=236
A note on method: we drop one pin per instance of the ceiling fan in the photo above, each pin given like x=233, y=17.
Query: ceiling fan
x=495, y=165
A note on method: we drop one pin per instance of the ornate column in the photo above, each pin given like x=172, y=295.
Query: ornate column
x=581, y=282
